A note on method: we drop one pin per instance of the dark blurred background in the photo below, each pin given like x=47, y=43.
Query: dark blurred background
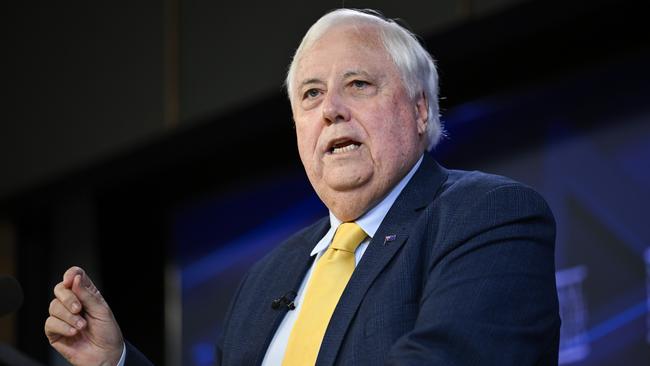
x=151, y=143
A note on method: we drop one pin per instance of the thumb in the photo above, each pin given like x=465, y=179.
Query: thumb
x=91, y=299
x=70, y=274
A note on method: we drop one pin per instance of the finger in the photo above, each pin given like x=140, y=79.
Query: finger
x=70, y=274
x=87, y=293
x=67, y=298
x=59, y=311
x=56, y=328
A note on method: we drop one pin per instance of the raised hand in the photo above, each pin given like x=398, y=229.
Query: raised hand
x=81, y=325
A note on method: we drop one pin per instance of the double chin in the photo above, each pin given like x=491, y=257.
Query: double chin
x=348, y=191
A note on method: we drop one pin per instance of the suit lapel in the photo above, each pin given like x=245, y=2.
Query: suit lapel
x=292, y=265
x=389, y=238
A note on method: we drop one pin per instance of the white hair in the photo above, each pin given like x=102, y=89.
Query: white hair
x=416, y=66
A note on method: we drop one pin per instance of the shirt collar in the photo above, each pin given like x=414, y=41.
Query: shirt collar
x=371, y=220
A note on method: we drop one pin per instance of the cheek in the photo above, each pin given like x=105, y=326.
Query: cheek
x=307, y=139
x=393, y=136
x=388, y=125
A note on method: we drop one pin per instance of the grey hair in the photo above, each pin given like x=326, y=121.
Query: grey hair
x=416, y=66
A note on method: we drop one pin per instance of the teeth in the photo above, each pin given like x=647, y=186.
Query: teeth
x=339, y=150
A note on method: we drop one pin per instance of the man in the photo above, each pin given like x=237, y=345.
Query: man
x=416, y=264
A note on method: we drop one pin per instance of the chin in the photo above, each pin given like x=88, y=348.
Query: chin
x=347, y=178
x=345, y=183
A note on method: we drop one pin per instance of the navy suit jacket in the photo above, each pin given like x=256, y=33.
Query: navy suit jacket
x=467, y=279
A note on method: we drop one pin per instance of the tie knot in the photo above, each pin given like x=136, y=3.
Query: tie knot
x=348, y=237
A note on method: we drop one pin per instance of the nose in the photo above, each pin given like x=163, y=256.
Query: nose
x=335, y=108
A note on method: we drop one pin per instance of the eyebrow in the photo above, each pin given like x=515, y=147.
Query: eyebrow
x=311, y=81
x=355, y=73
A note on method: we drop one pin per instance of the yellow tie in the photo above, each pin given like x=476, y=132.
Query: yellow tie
x=325, y=287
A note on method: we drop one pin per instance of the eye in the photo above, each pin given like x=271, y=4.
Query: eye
x=311, y=94
x=360, y=84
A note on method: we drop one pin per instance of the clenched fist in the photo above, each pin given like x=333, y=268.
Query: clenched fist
x=81, y=325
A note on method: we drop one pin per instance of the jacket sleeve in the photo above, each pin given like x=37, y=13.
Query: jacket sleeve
x=489, y=297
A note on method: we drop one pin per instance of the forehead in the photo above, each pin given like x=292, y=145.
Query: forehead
x=343, y=47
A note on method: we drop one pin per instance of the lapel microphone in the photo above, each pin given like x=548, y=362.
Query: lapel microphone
x=285, y=300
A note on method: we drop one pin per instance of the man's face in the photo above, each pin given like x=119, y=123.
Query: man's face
x=358, y=130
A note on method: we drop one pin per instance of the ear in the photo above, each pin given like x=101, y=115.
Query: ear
x=421, y=112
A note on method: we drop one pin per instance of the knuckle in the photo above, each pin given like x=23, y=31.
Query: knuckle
x=67, y=301
x=53, y=305
x=63, y=298
x=48, y=324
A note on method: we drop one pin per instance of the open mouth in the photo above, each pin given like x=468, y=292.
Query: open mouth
x=340, y=147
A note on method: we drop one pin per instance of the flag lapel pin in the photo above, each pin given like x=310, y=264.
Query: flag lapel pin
x=389, y=238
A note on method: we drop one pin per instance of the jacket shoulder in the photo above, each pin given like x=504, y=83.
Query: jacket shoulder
x=472, y=185
x=477, y=195
x=476, y=181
